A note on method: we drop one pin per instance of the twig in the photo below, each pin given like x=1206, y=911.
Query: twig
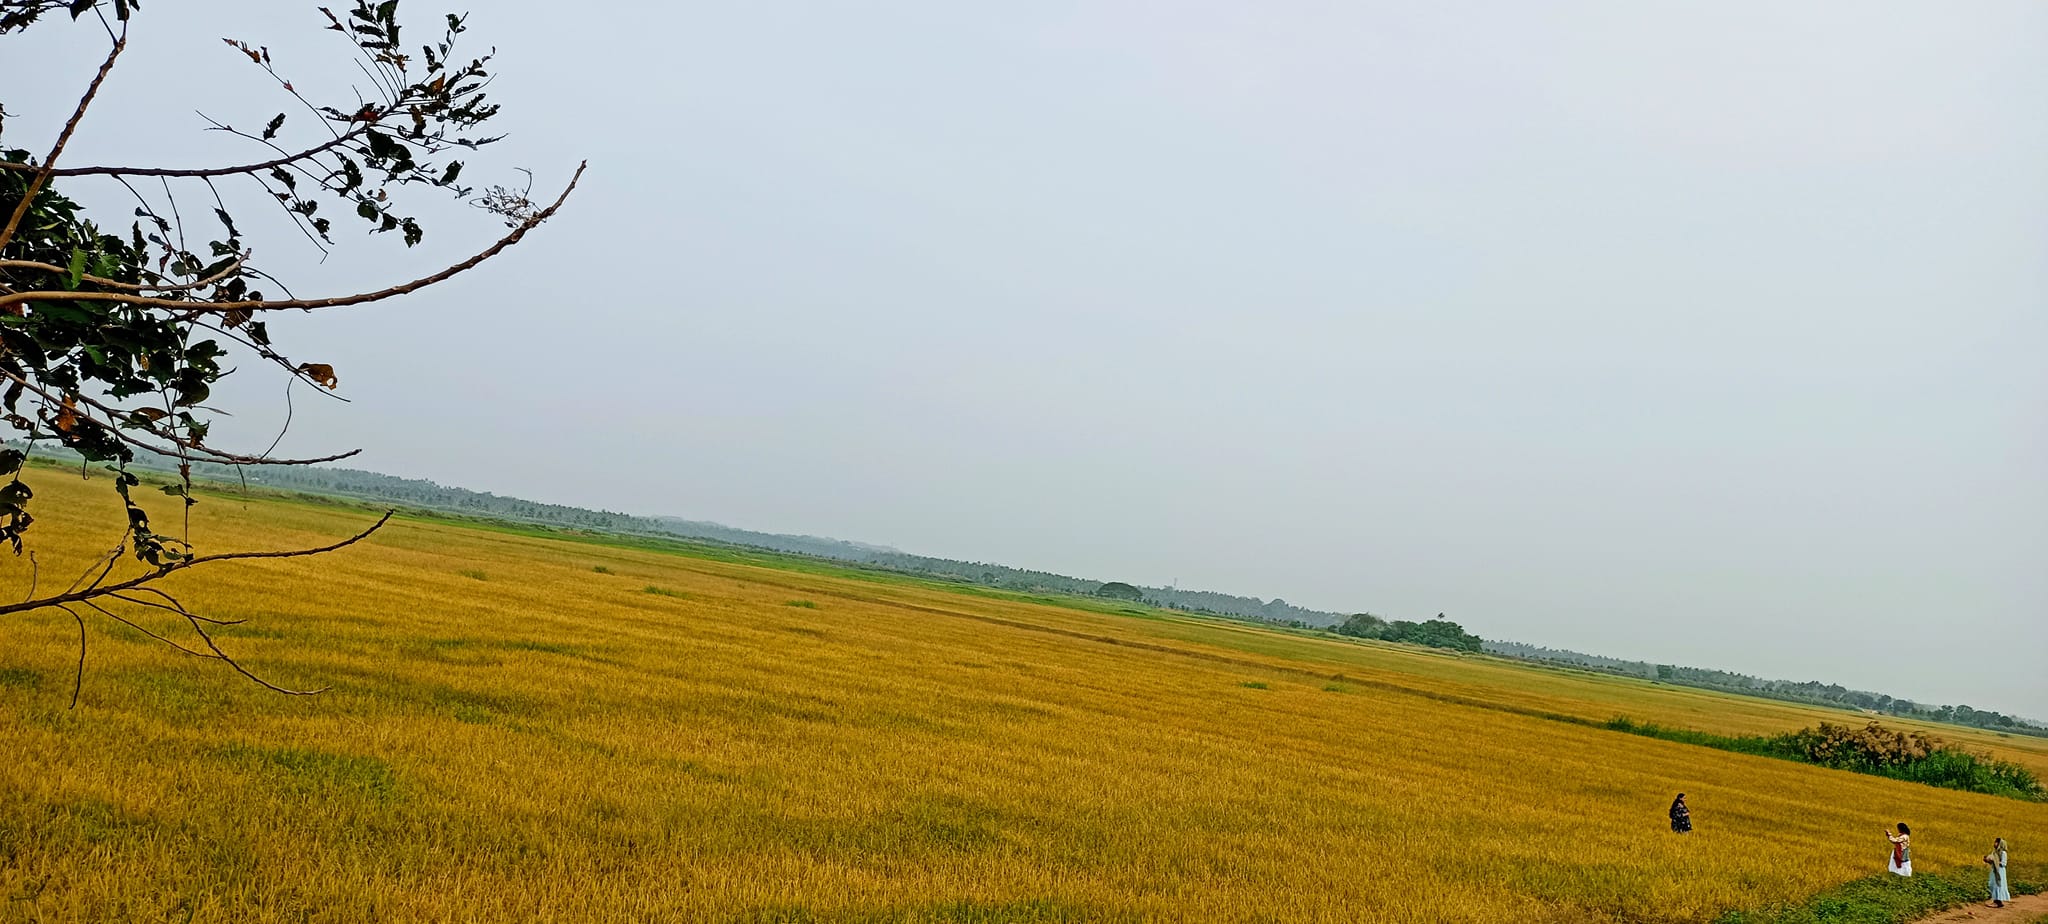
x=77, y=683
x=171, y=603
x=311, y=303
x=172, y=287
x=121, y=433
x=185, y=564
x=110, y=614
x=239, y=669
x=44, y=173
x=281, y=431
x=193, y=172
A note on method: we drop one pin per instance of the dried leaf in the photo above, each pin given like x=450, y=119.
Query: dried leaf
x=321, y=373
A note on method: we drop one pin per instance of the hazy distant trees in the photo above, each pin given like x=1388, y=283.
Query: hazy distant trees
x=112, y=342
x=1810, y=691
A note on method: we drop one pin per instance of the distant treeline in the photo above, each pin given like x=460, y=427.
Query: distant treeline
x=1872, y=749
x=428, y=495
x=1812, y=692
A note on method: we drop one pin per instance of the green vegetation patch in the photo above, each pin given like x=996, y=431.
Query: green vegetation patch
x=176, y=692
x=19, y=677
x=247, y=630
x=1884, y=899
x=665, y=592
x=318, y=772
x=1872, y=749
x=476, y=708
x=545, y=647
x=474, y=574
x=802, y=604
x=463, y=651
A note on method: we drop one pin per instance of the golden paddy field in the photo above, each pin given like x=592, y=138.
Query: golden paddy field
x=532, y=729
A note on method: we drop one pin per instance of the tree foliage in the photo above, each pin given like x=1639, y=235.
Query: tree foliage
x=1434, y=633
x=113, y=340
x=1118, y=590
x=1797, y=691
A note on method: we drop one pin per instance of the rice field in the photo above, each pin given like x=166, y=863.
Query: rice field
x=543, y=729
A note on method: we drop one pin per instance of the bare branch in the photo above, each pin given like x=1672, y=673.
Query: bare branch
x=47, y=170
x=78, y=682
x=198, y=171
x=178, y=443
x=239, y=669
x=194, y=621
x=171, y=604
x=272, y=355
x=168, y=287
x=342, y=301
x=184, y=564
x=110, y=614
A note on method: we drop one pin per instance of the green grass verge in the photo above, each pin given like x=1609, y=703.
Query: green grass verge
x=1887, y=899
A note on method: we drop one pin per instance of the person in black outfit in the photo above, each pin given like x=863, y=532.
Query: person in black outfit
x=1681, y=817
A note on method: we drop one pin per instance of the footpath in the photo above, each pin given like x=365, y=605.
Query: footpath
x=2024, y=909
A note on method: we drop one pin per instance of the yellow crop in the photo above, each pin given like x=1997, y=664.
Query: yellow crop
x=512, y=735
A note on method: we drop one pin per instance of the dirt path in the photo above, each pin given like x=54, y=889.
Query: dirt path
x=2025, y=909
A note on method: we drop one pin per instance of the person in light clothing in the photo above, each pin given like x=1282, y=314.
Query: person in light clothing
x=1902, y=851
x=2001, y=891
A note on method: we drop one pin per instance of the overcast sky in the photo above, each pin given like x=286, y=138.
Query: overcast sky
x=1701, y=333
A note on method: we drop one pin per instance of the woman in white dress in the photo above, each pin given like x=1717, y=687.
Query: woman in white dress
x=1902, y=851
x=2001, y=891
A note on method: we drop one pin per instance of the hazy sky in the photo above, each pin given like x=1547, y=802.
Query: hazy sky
x=1703, y=333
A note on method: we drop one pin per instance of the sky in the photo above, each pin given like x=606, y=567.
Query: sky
x=1700, y=333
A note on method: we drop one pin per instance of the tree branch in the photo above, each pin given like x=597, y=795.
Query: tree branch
x=110, y=614
x=197, y=171
x=178, y=445
x=311, y=303
x=78, y=682
x=48, y=170
x=231, y=269
x=91, y=593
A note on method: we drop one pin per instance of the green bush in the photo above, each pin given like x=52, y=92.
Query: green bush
x=1873, y=749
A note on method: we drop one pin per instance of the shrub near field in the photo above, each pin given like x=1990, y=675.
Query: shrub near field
x=1872, y=749
x=559, y=744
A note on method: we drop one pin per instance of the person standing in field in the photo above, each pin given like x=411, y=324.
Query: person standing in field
x=1902, y=851
x=2001, y=891
x=1681, y=817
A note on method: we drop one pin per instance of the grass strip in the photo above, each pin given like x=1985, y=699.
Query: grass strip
x=1887, y=899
